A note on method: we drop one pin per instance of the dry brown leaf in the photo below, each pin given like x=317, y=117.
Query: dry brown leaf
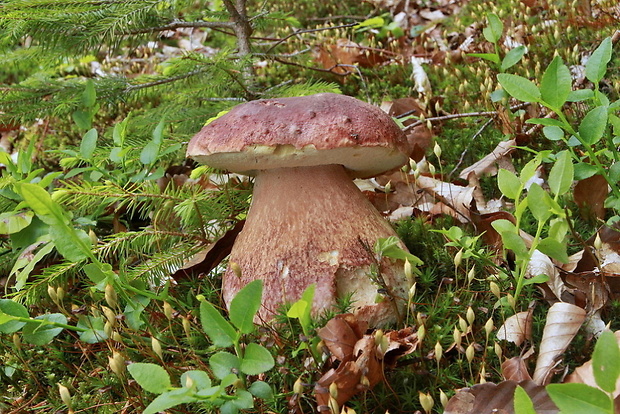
x=541, y=264
x=514, y=369
x=357, y=359
x=487, y=165
x=455, y=200
x=585, y=375
x=563, y=322
x=490, y=398
x=517, y=328
x=590, y=195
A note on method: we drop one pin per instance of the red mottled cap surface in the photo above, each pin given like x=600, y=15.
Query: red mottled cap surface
x=311, y=130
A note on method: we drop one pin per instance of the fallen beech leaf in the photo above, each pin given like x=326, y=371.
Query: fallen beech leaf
x=490, y=398
x=590, y=195
x=517, y=328
x=541, y=264
x=563, y=322
x=455, y=200
x=487, y=165
x=514, y=369
x=585, y=375
x=358, y=360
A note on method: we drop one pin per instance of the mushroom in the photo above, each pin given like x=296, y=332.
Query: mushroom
x=308, y=222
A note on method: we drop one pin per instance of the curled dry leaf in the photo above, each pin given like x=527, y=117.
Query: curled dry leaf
x=453, y=200
x=517, y=328
x=358, y=359
x=490, y=398
x=541, y=264
x=585, y=375
x=563, y=322
x=590, y=195
x=488, y=164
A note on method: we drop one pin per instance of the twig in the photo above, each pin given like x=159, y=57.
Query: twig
x=177, y=24
x=297, y=32
x=456, y=116
x=462, y=157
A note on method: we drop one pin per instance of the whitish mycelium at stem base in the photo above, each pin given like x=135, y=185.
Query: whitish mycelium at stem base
x=312, y=225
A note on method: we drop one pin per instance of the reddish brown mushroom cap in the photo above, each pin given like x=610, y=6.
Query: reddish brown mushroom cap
x=303, y=131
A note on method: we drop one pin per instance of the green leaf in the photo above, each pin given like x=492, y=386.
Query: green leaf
x=574, y=398
x=199, y=379
x=221, y=333
x=22, y=277
x=513, y=57
x=373, y=22
x=553, y=133
x=151, y=377
x=545, y=121
x=554, y=249
x=519, y=87
x=73, y=244
x=244, y=306
x=510, y=237
x=580, y=95
x=41, y=202
x=509, y=184
x=606, y=361
x=556, y=83
x=41, y=333
x=493, y=31
x=95, y=329
x=391, y=247
x=596, y=66
x=223, y=364
x=89, y=96
x=10, y=308
x=539, y=209
x=542, y=278
x=561, y=174
x=15, y=221
x=261, y=390
x=89, y=143
x=522, y=402
x=584, y=170
x=593, y=125
x=256, y=359
x=149, y=153
x=302, y=309
x=170, y=399
x=492, y=57
x=82, y=119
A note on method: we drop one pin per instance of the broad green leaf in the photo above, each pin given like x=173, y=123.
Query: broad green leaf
x=596, y=66
x=170, y=399
x=554, y=249
x=536, y=279
x=10, y=308
x=584, y=170
x=256, y=359
x=133, y=311
x=574, y=398
x=561, y=174
x=40, y=333
x=522, y=402
x=374, y=22
x=15, y=221
x=244, y=306
x=593, y=125
x=82, y=119
x=21, y=273
x=580, y=95
x=492, y=57
x=538, y=208
x=199, y=379
x=89, y=143
x=261, y=390
x=149, y=153
x=553, y=133
x=606, y=361
x=221, y=333
x=519, y=87
x=556, y=83
x=73, y=244
x=89, y=96
x=391, y=247
x=243, y=399
x=513, y=57
x=151, y=377
x=509, y=184
x=545, y=122
x=95, y=329
x=510, y=237
x=302, y=309
x=158, y=132
x=41, y=203
x=614, y=171
x=493, y=31
x=223, y=364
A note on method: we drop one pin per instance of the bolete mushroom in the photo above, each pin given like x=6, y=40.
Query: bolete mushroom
x=308, y=222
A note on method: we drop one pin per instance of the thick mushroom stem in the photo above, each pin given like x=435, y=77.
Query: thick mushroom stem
x=313, y=225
